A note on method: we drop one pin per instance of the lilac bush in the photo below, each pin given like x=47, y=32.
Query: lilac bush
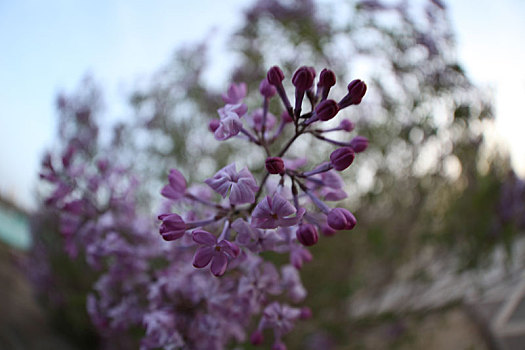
x=207, y=283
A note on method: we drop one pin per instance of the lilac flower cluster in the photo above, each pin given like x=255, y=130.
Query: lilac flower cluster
x=227, y=232
x=165, y=288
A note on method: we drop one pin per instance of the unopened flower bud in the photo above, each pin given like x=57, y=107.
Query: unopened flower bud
x=307, y=234
x=266, y=89
x=214, y=124
x=275, y=76
x=172, y=227
x=359, y=144
x=326, y=110
x=306, y=313
x=341, y=219
x=341, y=158
x=346, y=125
x=326, y=79
x=356, y=91
x=303, y=78
x=274, y=165
x=256, y=338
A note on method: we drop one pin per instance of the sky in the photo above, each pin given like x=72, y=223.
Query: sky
x=48, y=46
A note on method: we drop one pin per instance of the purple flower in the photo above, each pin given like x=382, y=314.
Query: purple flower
x=172, y=227
x=235, y=94
x=256, y=120
x=292, y=283
x=212, y=251
x=280, y=317
x=242, y=185
x=332, y=189
x=274, y=212
x=230, y=123
x=177, y=185
x=160, y=330
x=253, y=238
x=299, y=255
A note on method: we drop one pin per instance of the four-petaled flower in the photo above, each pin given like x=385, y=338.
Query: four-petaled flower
x=230, y=121
x=242, y=185
x=212, y=251
x=275, y=212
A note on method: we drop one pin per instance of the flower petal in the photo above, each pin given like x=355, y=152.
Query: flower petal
x=203, y=256
x=263, y=208
x=229, y=248
x=281, y=206
x=219, y=264
x=241, y=193
x=219, y=184
x=204, y=237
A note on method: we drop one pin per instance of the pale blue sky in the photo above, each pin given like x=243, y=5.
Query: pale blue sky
x=48, y=46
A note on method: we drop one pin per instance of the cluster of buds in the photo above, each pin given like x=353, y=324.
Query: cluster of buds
x=228, y=232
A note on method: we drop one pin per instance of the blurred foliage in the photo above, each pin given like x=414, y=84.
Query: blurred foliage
x=61, y=284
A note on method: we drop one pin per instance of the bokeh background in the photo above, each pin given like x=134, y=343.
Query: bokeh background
x=437, y=257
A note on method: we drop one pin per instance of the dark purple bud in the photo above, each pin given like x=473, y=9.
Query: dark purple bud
x=274, y=165
x=307, y=234
x=172, y=227
x=214, y=124
x=346, y=125
x=341, y=158
x=326, y=79
x=356, y=91
x=266, y=89
x=341, y=219
x=303, y=78
x=359, y=144
x=256, y=338
x=275, y=76
x=326, y=110
x=306, y=313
